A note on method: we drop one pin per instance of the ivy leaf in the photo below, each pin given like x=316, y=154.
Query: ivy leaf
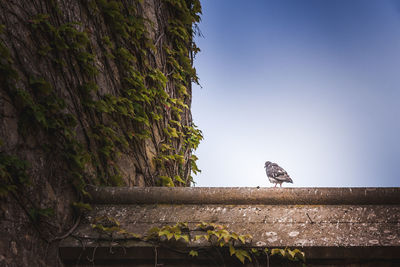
x=173, y=132
x=291, y=254
x=81, y=206
x=283, y=252
x=163, y=232
x=153, y=230
x=177, y=236
x=300, y=254
x=231, y=250
x=167, y=181
x=239, y=256
x=242, y=255
x=186, y=238
x=179, y=179
x=37, y=213
x=193, y=253
x=170, y=235
x=275, y=251
x=235, y=236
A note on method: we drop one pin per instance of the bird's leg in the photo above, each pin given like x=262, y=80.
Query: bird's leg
x=275, y=185
x=280, y=184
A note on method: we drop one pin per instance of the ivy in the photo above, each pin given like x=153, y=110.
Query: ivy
x=218, y=237
x=36, y=213
x=13, y=174
x=146, y=97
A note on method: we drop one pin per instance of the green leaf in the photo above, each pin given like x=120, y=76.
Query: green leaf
x=179, y=179
x=283, y=252
x=291, y=254
x=153, y=231
x=37, y=213
x=82, y=206
x=300, y=254
x=242, y=255
x=231, y=250
x=134, y=235
x=197, y=237
x=186, y=238
x=163, y=232
x=235, y=236
x=239, y=256
x=170, y=235
x=177, y=236
x=167, y=181
x=193, y=253
x=275, y=251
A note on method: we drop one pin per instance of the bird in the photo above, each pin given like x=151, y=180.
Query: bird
x=276, y=174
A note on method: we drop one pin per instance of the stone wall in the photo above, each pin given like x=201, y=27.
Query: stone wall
x=333, y=226
x=92, y=92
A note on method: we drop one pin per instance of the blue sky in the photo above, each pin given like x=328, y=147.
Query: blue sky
x=313, y=85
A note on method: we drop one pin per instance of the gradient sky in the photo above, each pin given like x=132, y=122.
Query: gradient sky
x=313, y=85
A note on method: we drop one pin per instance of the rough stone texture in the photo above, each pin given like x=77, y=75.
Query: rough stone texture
x=21, y=242
x=340, y=233
x=245, y=195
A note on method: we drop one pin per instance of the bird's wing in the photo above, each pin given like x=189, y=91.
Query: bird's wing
x=276, y=172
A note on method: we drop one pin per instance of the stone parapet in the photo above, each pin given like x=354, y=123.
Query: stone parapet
x=334, y=226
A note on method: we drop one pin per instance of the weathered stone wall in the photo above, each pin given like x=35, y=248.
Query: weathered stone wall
x=92, y=92
x=334, y=226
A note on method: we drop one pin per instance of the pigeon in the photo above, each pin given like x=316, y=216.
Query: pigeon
x=276, y=174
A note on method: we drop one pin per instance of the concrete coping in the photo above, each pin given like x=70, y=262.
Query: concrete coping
x=245, y=195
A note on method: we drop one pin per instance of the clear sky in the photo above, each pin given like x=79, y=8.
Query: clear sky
x=313, y=85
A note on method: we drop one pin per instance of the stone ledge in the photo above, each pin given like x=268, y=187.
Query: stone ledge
x=245, y=195
x=334, y=226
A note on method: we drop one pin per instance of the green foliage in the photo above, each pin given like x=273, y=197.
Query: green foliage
x=292, y=255
x=107, y=41
x=125, y=57
x=194, y=136
x=36, y=214
x=81, y=206
x=113, y=16
x=66, y=38
x=116, y=105
x=218, y=236
x=145, y=97
x=13, y=174
x=175, y=232
x=193, y=253
x=109, y=225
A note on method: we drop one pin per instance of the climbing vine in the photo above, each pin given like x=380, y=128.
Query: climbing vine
x=218, y=237
x=96, y=91
x=149, y=98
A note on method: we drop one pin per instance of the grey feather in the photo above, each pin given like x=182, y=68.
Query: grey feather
x=277, y=174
